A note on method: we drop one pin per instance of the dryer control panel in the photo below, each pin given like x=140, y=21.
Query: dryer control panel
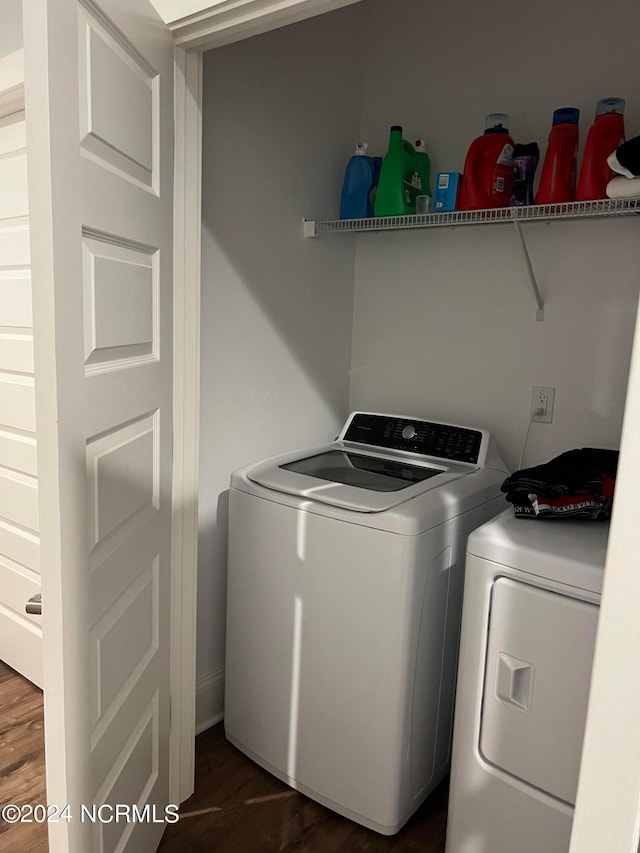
x=416, y=436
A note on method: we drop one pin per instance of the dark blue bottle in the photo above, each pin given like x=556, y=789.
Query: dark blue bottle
x=360, y=181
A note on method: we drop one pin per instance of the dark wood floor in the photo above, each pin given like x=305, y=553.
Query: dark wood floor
x=21, y=760
x=237, y=807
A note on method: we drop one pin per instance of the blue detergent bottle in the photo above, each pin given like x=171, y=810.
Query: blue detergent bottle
x=359, y=185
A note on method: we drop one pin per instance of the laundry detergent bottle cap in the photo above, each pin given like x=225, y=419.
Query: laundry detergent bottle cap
x=610, y=105
x=605, y=135
x=566, y=115
x=359, y=184
x=404, y=176
x=487, y=179
x=496, y=123
x=559, y=169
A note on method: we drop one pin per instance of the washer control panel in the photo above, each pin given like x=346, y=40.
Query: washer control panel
x=425, y=437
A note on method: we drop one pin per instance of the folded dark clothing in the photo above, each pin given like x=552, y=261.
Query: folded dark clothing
x=572, y=472
x=594, y=505
x=578, y=483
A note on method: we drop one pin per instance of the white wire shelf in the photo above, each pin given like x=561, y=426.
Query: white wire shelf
x=492, y=216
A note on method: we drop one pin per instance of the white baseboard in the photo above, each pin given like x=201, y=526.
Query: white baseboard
x=209, y=700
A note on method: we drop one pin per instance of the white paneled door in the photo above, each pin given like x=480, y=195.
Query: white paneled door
x=99, y=115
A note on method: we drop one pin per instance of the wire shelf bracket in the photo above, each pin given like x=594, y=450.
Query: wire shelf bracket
x=530, y=272
x=599, y=209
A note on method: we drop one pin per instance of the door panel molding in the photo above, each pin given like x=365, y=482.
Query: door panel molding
x=105, y=436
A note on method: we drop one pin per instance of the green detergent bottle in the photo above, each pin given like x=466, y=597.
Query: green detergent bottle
x=404, y=175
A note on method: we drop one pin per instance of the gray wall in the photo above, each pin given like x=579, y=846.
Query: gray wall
x=281, y=115
x=10, y=26
x=444, y=320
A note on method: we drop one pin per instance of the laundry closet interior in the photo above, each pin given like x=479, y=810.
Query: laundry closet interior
x=296, y=332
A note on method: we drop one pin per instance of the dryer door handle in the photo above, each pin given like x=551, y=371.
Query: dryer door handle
x=514, y=682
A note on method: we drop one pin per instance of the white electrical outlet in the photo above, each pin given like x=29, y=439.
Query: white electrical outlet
x=542, y=400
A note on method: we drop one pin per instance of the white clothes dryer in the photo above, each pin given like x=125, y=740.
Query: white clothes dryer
x=531, y=603
x=343, y=609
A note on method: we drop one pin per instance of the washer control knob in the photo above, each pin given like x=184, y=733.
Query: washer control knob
x=409, y=432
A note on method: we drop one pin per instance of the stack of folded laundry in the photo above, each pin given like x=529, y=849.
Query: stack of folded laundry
x=625, y=162
x=576, y=484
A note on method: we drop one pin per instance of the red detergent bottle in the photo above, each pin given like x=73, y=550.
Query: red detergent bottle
x=605, y=135
x=559, y=170
x=487, y=179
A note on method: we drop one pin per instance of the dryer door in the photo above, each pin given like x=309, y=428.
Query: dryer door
x=538, y=670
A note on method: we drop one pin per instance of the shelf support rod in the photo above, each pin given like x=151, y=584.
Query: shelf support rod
x=532, y=275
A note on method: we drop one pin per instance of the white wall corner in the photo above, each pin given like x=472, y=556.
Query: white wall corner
x=209, y=700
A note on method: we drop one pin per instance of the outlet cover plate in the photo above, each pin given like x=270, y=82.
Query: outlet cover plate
x=542, y=398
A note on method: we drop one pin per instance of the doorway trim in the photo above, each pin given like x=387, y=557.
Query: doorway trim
x=232, y=20
x=186, y=419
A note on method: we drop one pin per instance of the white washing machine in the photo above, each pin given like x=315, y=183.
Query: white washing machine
x=531, y=604
x=344, y=600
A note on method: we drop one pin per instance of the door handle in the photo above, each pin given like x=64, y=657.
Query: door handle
x=34, y=605
x=515, y=681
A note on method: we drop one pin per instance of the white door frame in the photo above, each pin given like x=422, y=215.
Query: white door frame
x=186, y=418
x=226, y=21
x=597, y=813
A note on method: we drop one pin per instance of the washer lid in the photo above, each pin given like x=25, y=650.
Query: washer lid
x=363, y=482
x=358, y=469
